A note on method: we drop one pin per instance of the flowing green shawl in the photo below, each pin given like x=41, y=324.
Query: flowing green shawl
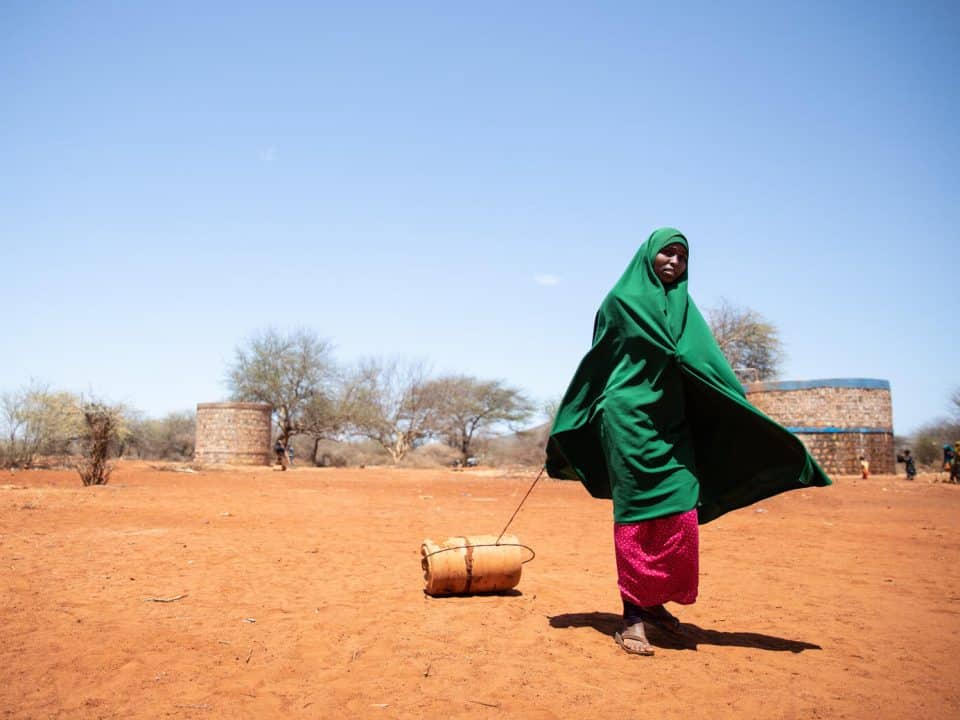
x=656, y=419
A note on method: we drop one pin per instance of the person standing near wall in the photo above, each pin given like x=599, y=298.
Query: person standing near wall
x=948, y=453
x=910, y=465
x=955, y=463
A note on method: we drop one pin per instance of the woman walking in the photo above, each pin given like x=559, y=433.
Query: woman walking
x=656, y=420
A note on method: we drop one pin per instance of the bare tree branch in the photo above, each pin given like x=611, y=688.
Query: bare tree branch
x=290, y=371
x=37, y=421
x=103, y=425
x=750, y=343
x=467, y=405
x=392, y=404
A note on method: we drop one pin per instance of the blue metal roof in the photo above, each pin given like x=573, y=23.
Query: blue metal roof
x=840, y=430
x=787, y=385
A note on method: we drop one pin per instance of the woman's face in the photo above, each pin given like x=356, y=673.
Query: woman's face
x=670, y=263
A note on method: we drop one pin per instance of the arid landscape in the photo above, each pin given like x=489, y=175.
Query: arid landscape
x=264, y=594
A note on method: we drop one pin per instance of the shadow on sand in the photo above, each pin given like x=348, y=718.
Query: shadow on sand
x=691, y=636
x=495, y=594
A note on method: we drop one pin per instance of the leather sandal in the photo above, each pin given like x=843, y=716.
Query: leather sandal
x=645, y=649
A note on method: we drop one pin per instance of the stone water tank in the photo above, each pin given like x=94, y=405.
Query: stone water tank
x=838, y=419
x=235, y=433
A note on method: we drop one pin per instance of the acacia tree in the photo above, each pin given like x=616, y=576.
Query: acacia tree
x=392, y=403
x=466, y=405
x=288, y=370
x=750, y=343
x=927, y=442
x=37, y=421
x=330, y=415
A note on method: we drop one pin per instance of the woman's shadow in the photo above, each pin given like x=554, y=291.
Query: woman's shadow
x=690, y=637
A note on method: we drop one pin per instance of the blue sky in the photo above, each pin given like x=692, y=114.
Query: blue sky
x=463, y=185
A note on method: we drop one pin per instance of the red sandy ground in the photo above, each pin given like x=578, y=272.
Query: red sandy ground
x=826, y=603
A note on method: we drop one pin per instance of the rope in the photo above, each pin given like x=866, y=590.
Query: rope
x=498, y=543
x=539, y=475
x=464, y=547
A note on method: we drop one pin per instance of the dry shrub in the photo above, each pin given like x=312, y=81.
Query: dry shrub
x=54, y=462
x=523, y=448
x=350, y=454
x=102, y=424
x=431, y=456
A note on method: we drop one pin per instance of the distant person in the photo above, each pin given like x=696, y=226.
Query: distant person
x=864, y=467
x=281, y=453
x=955, y=464
x=948, y=454
x=656, y=420
x=910, y=465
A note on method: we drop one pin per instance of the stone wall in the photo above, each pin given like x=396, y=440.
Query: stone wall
x=838, y=420
x=233, y=433
x=839, y=453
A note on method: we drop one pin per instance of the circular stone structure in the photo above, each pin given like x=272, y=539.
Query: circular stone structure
x=234, y=433
x=838, y=419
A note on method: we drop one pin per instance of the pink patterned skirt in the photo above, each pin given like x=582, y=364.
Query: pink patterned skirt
x=658, y=560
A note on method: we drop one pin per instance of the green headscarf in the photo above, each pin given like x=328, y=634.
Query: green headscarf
x=656, y=419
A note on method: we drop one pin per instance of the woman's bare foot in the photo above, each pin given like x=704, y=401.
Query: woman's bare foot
x=633, y=639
